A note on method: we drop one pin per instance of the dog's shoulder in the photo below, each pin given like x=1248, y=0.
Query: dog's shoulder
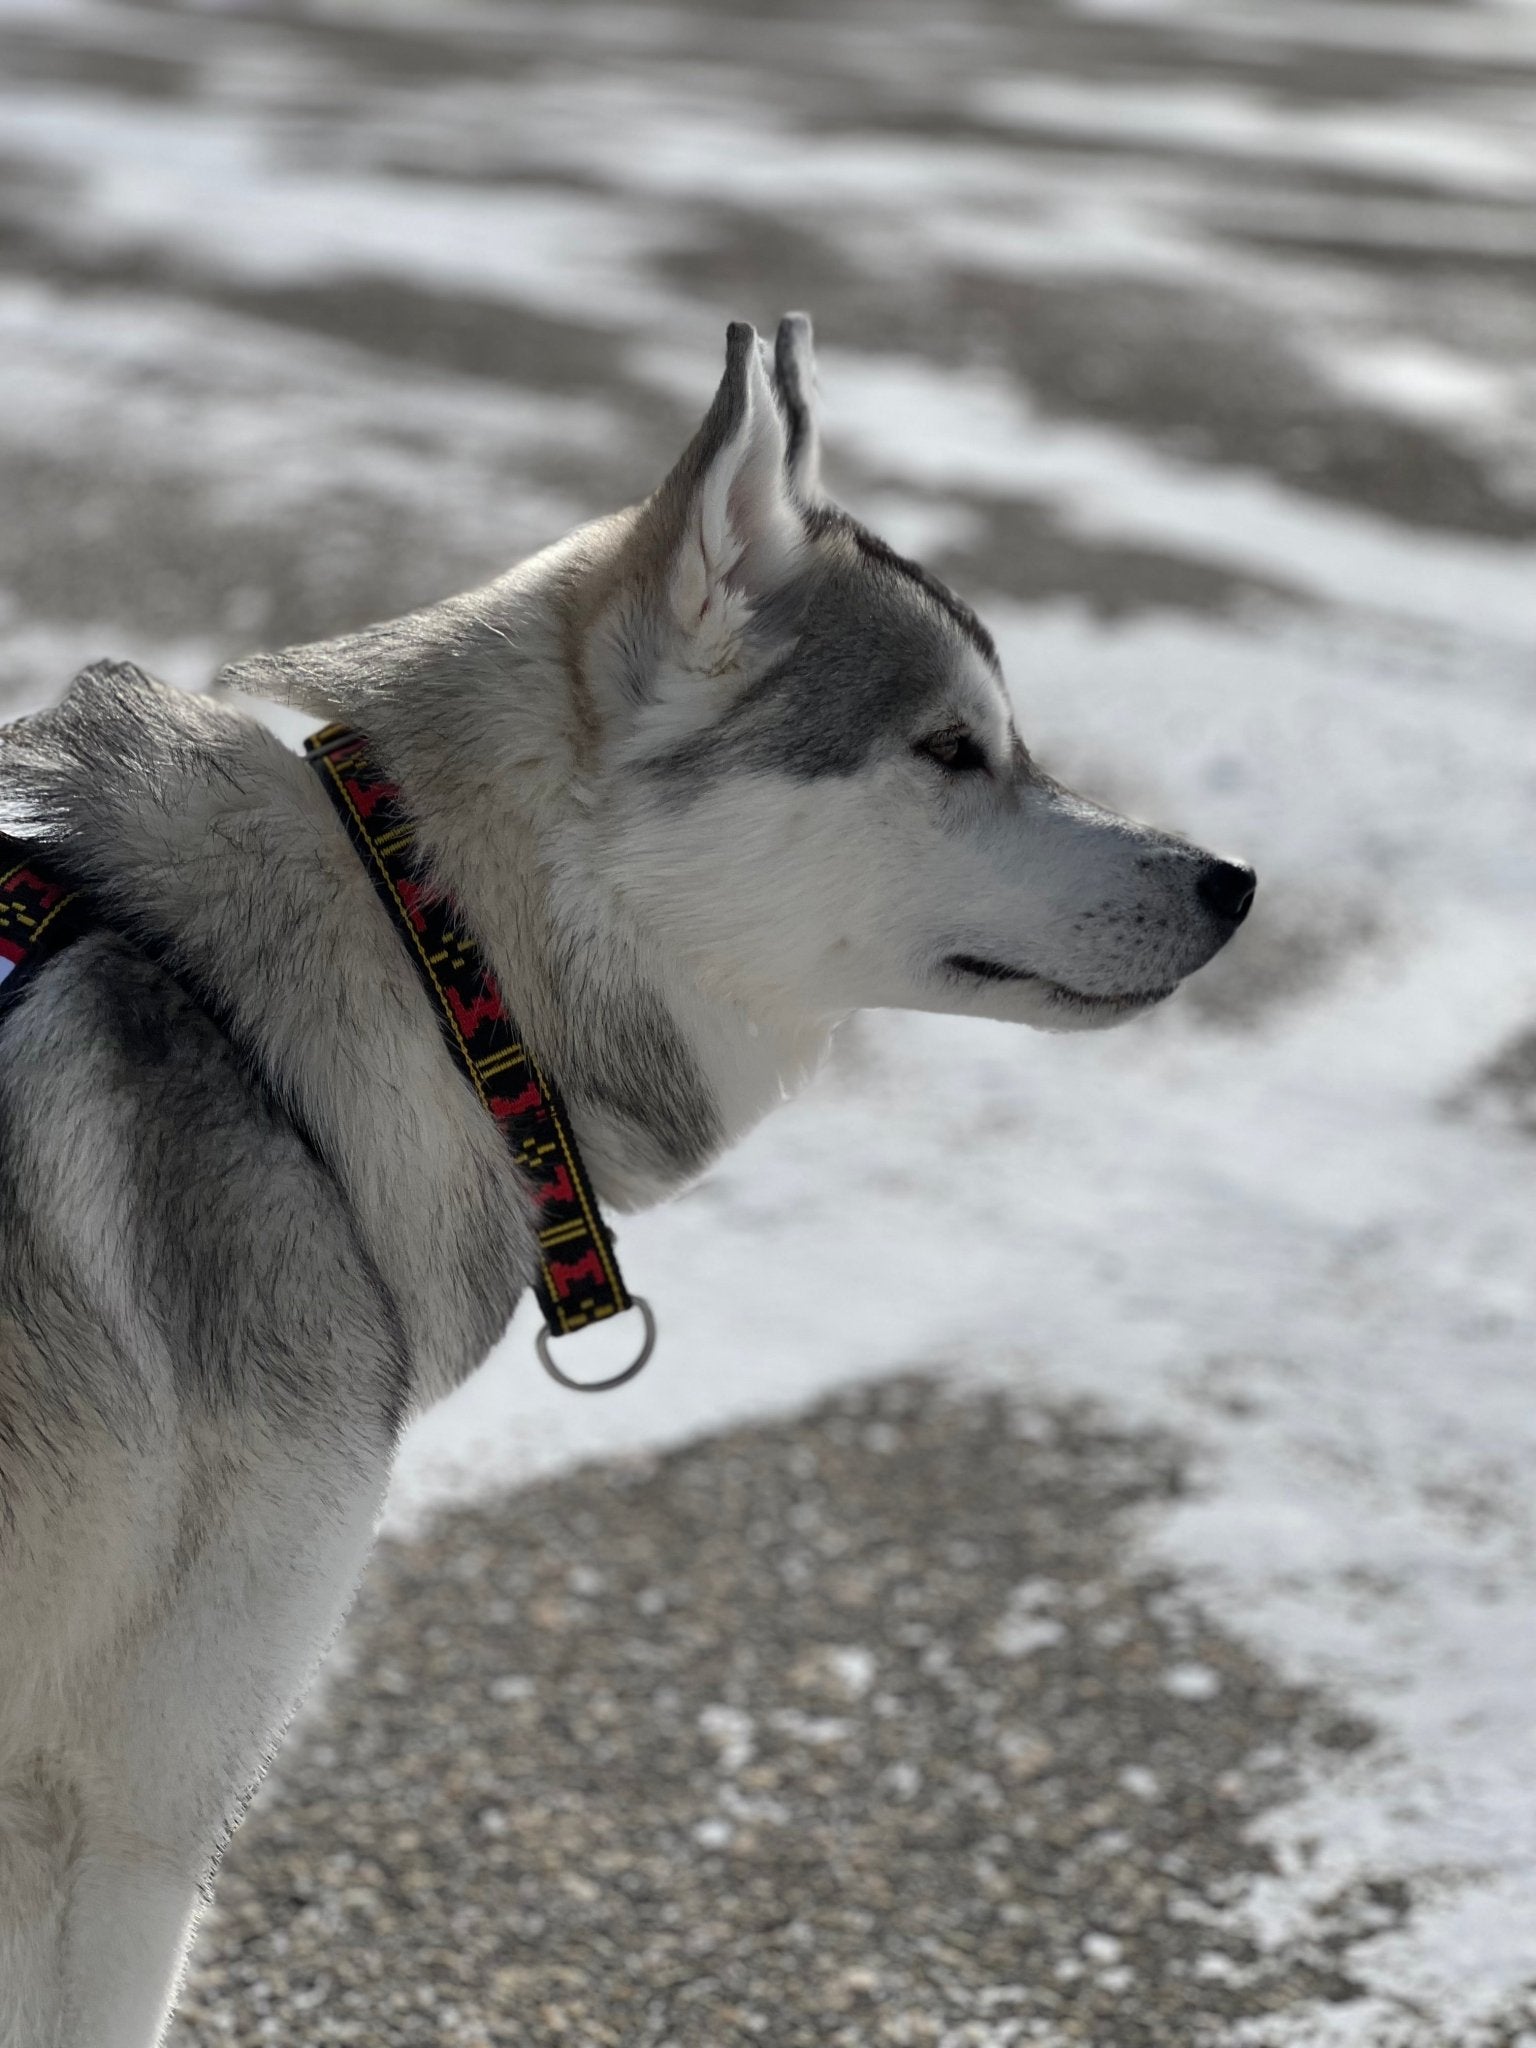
x=111, y=774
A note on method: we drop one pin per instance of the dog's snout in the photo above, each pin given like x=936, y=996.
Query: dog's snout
x=1226, y=887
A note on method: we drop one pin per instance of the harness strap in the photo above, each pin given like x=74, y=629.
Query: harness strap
x=39, y=914
x=579, y=1279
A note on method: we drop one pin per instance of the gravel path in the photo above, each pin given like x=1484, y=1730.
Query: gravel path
x=865, y=1728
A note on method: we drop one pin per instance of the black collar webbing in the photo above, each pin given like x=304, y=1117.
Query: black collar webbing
x=579, y=1280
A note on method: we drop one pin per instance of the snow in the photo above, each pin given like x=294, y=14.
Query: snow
x=1500, y=30
x=1406, y=143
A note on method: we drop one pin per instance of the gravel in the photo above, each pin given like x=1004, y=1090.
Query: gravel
x=864, y=1728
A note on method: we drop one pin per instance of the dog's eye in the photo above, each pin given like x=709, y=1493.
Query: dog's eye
x=954, y=749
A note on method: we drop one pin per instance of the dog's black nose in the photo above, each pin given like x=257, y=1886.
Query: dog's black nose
x=1227, y=887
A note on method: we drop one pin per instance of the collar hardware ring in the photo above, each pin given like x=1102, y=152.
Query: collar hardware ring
x=628, y=1372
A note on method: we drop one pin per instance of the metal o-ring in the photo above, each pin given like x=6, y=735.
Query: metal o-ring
x=648, y=1345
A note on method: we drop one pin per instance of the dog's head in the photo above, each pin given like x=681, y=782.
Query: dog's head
x=819, y=794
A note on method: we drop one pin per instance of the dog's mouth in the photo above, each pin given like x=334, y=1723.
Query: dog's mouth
x=972, y=966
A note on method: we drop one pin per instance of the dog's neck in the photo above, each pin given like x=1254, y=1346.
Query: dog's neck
x=483, y=714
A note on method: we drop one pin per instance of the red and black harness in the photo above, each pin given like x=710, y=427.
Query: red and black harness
x=579, y=1283
x=38, y=914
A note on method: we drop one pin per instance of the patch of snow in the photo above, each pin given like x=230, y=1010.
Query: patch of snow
x=1425, y=381
x=1489, y=33
x=980, y=432
x=262, y=218
x=1194, y=1682
x=853, y=1668
x=1400, y=142
x=734, y=1734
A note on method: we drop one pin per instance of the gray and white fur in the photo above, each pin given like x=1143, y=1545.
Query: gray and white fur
x=705, y=777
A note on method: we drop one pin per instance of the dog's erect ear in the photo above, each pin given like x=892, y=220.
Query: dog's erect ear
x=728, y=504
x=794, y=376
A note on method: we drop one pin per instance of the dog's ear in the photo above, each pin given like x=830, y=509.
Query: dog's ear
x=794, y=377
x=727, y=509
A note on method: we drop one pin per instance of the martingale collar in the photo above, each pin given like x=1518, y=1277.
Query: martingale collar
x=579, y=1281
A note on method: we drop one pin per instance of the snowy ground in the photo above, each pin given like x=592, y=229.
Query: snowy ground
x=1196, y=342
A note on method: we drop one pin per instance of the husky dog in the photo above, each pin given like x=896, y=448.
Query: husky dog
x=704, y=778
